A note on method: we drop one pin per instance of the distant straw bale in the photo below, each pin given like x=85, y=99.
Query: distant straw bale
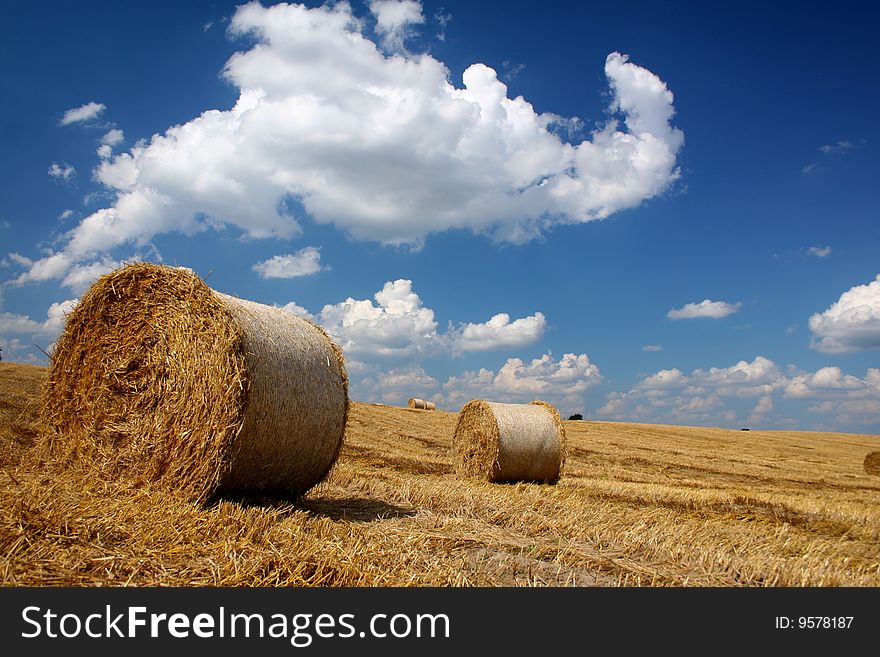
x=509, y=442
x=158, y=378
x=872, y=463
x=421, y=403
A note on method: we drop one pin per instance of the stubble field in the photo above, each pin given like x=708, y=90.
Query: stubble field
x=637, y=505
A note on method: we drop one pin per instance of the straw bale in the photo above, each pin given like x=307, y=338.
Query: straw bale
x=416, y=403
x=159, y=378
x=430, y=406
x=872, y=463
x=509, y=442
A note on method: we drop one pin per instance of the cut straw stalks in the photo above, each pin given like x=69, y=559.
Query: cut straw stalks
x=158, y=378
x=509, y=442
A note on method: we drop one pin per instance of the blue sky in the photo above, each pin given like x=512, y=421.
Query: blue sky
x=657, y=212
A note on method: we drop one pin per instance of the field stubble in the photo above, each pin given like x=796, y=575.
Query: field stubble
x=638, y=505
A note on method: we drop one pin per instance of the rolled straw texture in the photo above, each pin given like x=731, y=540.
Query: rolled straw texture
x=872, y=463
x=509, y=442
x=158, y=378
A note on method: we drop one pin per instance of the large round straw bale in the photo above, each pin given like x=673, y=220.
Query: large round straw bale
x=416, y=403
x=872, y=463
x=509, y=442
x=159, y=378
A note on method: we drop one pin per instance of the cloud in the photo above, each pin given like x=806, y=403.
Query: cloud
x=705, y=308
x=442, y=18
x=499, y=332
x=51, y=327
x=819, y=252
x=295, y=309
x=839, y=147
x=702, y=397
x=52, y=266
x=18, y=324
x=292, y=265
x=80, y=277
x=56, y=316
x=510, y=71
x=761, y=410
x=562, y=381
x=62, y=172
x=110, y=139
x=398, y=327
x=825, y=382
x=852, y=323
x=652, y=347
x=670, y=395
x=83, y=113
x=16, y=351
x=328, y=123
x=764, y=406
x=113, y=137
x=395, y=386
x=394, y=21
x=745, y=379
x=663, y=379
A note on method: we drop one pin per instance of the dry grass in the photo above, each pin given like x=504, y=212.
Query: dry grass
x=637, y=505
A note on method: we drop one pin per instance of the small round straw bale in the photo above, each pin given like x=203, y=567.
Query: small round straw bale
x=430, y=406
x=509, y=442
x=416, y=403
x=158, y=378
x=872, y=463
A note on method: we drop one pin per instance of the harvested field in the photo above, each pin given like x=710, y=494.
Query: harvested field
x=647, y=505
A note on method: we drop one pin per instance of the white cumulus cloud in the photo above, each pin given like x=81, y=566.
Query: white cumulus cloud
x=394, y=21
x=51, y=327
x=702, y=397
x=80, y=277
x=63, y=172
x=397, y=326
x=705, y=308
x=499, y=332
x=83, y=113
x=384, y=146
x=824, y=382
x=295, y=309
x=852, y=323
x=302, y=263
x=562, y=382
x=113, y=137
x=745, y=379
